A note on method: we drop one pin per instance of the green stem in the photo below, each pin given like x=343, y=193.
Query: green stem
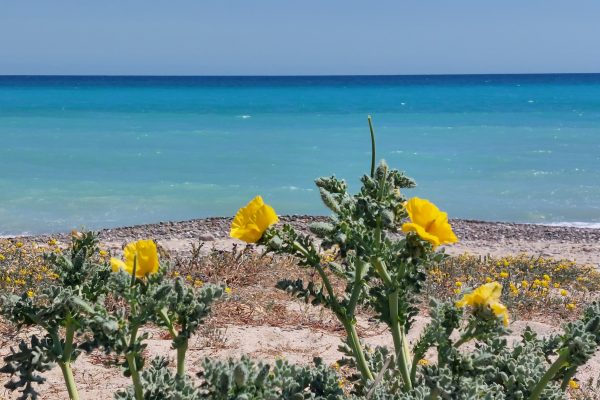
x=551, y=373
x=130, y=356
x=359, y=355
x=181, y=350
x=135, y=376
x=356, y=289
x=69, y=380
x=400, y=341
x=382, y=271
x=347, y=321
x=372, y=146
x=568, y=375
x=65, y=363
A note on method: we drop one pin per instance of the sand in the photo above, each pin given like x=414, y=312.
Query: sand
x=301, y=343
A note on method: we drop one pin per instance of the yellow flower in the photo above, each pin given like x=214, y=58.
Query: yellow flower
x=557, y=285
x=423, y=361
x=487, y=295
x=457, y=291
x=175, y=274
x=458, y=284
x=571, y=306
x=563, y=292
x=198, y=283
x=143, y=253
x=488, y=279
x=428, y=222
x=503, y=274
x=52, y=242
x=228, y=290
x=19, y=244
x=573, y=384
x=525, y=284
x=2, y=258
x=252, y=221
x=30, y=293
x=103, y=253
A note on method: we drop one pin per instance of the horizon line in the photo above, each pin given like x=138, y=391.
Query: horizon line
x=296, y=75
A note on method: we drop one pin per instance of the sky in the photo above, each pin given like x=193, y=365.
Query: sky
x=291, y=37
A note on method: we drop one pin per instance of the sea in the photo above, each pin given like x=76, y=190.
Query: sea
x=93, y=152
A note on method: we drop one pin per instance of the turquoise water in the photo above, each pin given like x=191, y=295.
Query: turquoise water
x=100, y=152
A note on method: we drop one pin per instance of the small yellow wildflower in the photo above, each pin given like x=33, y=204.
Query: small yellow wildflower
x=428, y=222
x=458, y=284
x=19, y=244
x=30, y=293
x=547, y=278
x=198, y=283
x=488, y=279
x=457, y=291
x=423, y=362
x=2, y=257
x=573, y=384
x=175, y=274
x=544, y=284
x=52, y=242
x=525, y=284
x=563, y=292
x=228, y=290
x=571, y=306
x=189, y=278
x=503, y=274
x=103, y=253
x=557, y=285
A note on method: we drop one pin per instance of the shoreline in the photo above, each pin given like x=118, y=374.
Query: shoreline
x=464, y=228
x=476, y=237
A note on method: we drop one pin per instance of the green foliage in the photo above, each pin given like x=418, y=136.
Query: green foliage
x=248, y=380
x=71, y=304
x=160, y=383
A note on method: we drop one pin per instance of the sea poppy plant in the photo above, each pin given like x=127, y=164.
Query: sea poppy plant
x=142, y=254
x=487, y=295
x=252, y=221
x=428, y=222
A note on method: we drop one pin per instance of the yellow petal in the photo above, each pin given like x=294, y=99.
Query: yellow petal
x=428, y=222
x=252, y=221
x=146, y=258
x=500, y=310
x=117, y=265
x=412, y=227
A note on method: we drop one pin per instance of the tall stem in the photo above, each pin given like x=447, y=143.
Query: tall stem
x=69, y=380
x=135, y=376
x=372, y=146
x=181, y=350
x=359, y=355
x=400, y=341
x=346, y=320
x=65, y=363
x=551, y=373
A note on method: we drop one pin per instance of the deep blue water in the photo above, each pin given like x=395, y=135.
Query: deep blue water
x=107, y=151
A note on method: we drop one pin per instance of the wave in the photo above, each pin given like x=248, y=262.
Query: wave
x=590, y=225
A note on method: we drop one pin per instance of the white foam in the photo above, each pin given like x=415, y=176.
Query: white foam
x=575, y=224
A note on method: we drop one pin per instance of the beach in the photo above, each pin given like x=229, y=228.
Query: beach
x=247, y=324
x=476, y=237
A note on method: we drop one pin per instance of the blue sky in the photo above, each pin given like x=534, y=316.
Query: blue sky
x=289, y=37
